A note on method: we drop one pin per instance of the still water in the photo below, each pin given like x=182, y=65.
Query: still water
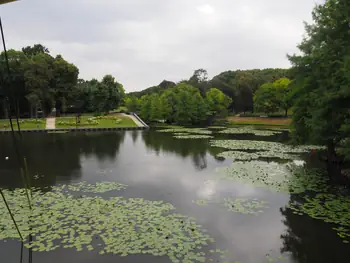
x=156, y=166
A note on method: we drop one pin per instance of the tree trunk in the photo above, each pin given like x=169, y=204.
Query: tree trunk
x=6, y=114
x=286, y=113
x=31, y=111
x=333, y=162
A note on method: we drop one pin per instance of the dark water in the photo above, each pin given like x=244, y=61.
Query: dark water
x=156, y=166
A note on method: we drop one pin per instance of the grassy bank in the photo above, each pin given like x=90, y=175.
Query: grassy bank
x=283, y=122
x=25, y=124
x=95, y=122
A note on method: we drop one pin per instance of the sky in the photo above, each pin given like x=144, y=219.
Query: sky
x=142, y=42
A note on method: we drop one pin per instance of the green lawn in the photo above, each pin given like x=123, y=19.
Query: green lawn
x=99, y=122
x=25, y=124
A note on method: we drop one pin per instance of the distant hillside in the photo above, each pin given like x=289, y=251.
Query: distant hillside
x=240, y=85
x=155, y=89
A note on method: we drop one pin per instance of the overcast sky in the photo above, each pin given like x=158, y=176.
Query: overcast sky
x=142, y=42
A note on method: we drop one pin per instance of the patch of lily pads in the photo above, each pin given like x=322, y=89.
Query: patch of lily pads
x=248, y=156
x=99, y=187
x=187, y=130
x=286, y=178
x=243, y=145
x=190, y=136
x=330, y=208
x=249, y=130
x=238, y=205
x=217, y=127
x=118, y=225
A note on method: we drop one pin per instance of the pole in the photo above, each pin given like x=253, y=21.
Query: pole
x=9, y=74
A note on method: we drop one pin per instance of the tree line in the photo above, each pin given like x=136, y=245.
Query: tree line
x=239, y=85
x=38, y=81
x=182, y=104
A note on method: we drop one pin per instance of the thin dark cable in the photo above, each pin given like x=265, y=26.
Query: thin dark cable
x=9, y=75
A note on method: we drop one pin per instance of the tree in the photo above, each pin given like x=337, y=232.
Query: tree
x=65, y=77
x=218, y=102
x=38, y=76
x=35, y=50
x=132, y=104
x=155, y=110
x=322, y=109
x=145, y=107
x=108, y=94
x=266, y=99
x=284, y=94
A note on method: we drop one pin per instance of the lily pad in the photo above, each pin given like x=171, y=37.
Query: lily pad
x=193, y=137
x=262, y=146
x=187, y=130
x=330, y=208
x=247, y=156
x=124, y=226
x=287, y=178
x=249, y=130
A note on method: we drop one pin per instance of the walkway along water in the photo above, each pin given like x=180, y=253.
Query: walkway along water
x=50, y=123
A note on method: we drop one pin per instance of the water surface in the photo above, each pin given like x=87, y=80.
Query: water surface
x=157, y=166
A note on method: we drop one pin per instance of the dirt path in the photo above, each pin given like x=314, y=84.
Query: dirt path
x=50, y=123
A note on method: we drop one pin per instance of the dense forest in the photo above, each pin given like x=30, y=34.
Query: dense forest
x=239, y=85
x=41, y=82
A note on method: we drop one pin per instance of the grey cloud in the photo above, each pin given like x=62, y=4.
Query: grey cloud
x=143, y=42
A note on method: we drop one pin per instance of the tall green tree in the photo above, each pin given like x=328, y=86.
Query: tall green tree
x=284, y=94
x=218, y=102
x=145, y=107
x=322, y=109
x=65, y=78
x=266, y=99
x=132, y=104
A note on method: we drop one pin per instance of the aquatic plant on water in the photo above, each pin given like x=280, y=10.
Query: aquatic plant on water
x=286, y=178
x=242, y=145
x=238, y=205
x=117, y=225
x=330, y=208
x=99, y=187
x=187, y=130
x=249, y=130
x=217, y=127
x=247, y=156
x=190, y=136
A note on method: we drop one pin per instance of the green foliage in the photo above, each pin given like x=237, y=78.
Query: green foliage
x=41, y=82
x=265, y=99
x=322, y=77
x=132, y=104
x=217, y=102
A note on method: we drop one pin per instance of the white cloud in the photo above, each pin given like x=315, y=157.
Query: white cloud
x=143, y=42
x=206, y=9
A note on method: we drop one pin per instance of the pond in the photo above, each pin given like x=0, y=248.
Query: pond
x=205, y=215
